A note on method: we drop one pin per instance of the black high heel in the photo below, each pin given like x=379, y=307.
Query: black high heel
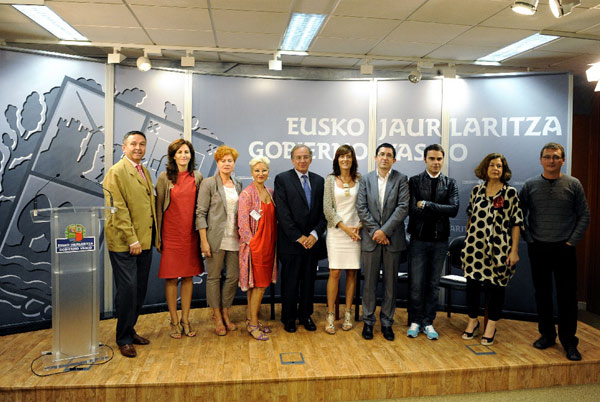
x=485, y=341
x=469, y=335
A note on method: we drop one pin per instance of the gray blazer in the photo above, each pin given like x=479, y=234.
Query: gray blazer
x=391, y=218
x=211, y=209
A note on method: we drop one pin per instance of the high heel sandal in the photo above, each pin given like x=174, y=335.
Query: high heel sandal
x=330, y=327
x=175, y=330
x=487, y=341
x=187, y=329
x=469, y=335
x=219, y=329
x=256, y=333
x=263, y=328
x=347, y=325
x=230, y=326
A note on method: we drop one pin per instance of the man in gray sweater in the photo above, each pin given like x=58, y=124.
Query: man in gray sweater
x=556, y=215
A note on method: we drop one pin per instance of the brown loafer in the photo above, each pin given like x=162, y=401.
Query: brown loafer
x=128, y=350
x=138, y=340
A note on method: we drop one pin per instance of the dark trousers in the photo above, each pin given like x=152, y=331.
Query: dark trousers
x=298, y=273
x=558, y=260
x=373, y=262
x=131, y=280
x=494, y=295
x=425, y=263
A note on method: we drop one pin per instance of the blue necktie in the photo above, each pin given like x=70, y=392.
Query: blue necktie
x=306, y=188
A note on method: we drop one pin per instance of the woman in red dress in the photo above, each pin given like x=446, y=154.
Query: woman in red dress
x=258, y=233
x=179, y=245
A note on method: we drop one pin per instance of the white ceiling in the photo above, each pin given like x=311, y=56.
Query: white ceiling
x=393, y=33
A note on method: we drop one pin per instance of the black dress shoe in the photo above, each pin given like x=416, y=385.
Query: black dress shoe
x=309, y=324
x=290, y=326
x=387, y=332
x=367, y=332
x=128, y=350
x=138, y=340
x=573, y=353
x=544, y=343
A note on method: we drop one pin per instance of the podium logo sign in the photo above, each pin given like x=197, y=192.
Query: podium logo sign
x=75, y=240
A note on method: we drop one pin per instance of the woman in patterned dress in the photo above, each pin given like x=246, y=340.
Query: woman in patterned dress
x=492, y=243
x=258, y=233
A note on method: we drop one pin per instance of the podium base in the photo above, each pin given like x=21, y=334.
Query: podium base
x=51, y=361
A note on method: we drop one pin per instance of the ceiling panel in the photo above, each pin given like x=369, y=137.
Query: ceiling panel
x=340, y=45
x=181, y=37
x=254, y=5
x=115, y=34
x=173, y=18
x=248, y=40
x=246, y=58
x=250, y=21
x=507, y=18
x=573, y=46
x=539, y=58
x=391, y=9
x=426, y=32
x=580, y=19
x=169, y=3
x=460, y=12
x=461, y=52
x=108, y=15
x=313, y=6
x=484, y=36
x=352, y=27
x=331, y=62
x=403, y=49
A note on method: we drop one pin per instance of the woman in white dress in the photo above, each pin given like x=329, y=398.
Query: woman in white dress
x=343, y=226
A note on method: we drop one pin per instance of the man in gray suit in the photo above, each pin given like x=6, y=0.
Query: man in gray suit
x=382, y=206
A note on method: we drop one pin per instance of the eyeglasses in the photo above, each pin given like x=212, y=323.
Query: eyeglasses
x=552, y=157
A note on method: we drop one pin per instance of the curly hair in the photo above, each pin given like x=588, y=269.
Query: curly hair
x=172, y=170
x=482, y=168
x=343, y=150
x=225, y=150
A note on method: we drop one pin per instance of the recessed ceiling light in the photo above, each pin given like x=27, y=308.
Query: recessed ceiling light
x=301, y=31
x=516, y=48
x=50, y=21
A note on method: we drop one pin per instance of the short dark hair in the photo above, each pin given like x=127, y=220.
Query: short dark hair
x=433, y=147
x=385, y=145
x=482, y=168
x=172, y=170
x=343, y=150
x=553, y=146
x=133, y=132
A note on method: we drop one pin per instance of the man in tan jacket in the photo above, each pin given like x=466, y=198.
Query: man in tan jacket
x=130, y=233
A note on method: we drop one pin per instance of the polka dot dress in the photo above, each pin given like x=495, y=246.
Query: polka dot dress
x=489, y=237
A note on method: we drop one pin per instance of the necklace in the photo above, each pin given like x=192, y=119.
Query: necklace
x=346, y=186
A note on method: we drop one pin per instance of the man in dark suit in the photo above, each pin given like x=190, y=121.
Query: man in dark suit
x=130, y=233
x=382, y=206
x=300, y=237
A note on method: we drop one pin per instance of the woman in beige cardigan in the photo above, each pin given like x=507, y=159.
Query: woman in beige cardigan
x=216, y=220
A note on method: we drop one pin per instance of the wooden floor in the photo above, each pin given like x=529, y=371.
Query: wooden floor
x=339, y=367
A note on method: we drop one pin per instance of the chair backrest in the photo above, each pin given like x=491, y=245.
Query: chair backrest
x=454, y=249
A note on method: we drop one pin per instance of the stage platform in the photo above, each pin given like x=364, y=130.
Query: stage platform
x=311, y=366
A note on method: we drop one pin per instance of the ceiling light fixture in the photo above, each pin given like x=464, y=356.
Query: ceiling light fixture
x=449, y=71
x=275, y=64
x=50, y=21
x=116, y=56
x=525, y=7
x=301, y=31
x=143, y=62
x=188, y=60
x=366, y=69
x=516, y=48
x=560, y=8
x=597, y=87
x=415, y=76
x=593, y=73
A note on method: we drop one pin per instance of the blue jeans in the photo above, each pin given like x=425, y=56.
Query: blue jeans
x=425, y=264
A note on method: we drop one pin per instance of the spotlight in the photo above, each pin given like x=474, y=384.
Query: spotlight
x=188, y=60
x=143, y=63
x=275, y=64
x=593, y=73
x=366, y=69
x=115, y=57
x=525, y=7
x=561, y=8
x=414, y=76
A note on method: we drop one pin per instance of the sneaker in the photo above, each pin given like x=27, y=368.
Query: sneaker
x=430, y=332
x=413, y=331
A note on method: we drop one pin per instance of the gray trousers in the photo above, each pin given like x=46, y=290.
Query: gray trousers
x=217, y=295
x=372, y=262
